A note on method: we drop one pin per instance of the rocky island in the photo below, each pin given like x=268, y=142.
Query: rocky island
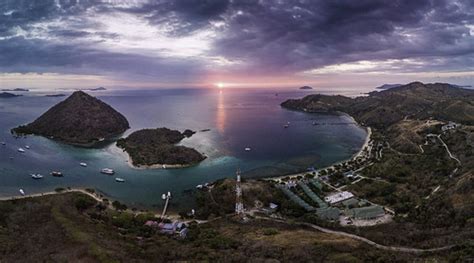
x=306, y=87
x=156, y=148
x=80, y=120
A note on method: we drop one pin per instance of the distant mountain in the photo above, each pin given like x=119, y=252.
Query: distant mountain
x=388, y=86
x=306, y=87
x=97, y=89
x=55, y=95
x=381, y=109
x=17, y=89
x=7, y=95
x=79, y=120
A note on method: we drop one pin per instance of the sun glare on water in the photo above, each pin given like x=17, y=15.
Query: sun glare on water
x=220, y=85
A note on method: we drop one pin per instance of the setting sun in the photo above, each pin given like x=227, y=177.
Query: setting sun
x=220, y=85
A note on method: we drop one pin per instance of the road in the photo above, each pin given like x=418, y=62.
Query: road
x=447, y=149
x=365, y=240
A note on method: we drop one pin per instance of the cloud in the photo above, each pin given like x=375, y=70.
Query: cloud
x=192, y=38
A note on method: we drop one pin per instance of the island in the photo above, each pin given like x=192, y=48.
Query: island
x=17, y=89
x=55, y=95
x=7, y=95
x=80, y=120
x=97, y=89
x=156, y=148
x=306, y=87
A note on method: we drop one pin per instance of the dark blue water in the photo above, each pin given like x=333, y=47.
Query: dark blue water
x=237, y=119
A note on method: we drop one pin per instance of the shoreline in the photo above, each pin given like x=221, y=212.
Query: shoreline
x=128, y=160
x=353, y=157
x=97, y=196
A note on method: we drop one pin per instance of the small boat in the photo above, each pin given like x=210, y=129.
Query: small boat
x=107, y=171
x=286, y=126
x=163, y=196
x=57, y=174
x=101, y=139
x=21, y=150
x=169, y=194
x=22, y=192
x=37, y=176
x=119, y=180
x=248, y=149
x=83, y=164
x=164, y=166
x=4, y=143
x=199, y=186
x=27, y=147
x=315, y=123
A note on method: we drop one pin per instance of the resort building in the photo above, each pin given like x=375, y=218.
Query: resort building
x=366, y=213
x=328, y=213
x=338, y=197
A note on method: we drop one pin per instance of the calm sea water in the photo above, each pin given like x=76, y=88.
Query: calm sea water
x=236, y=119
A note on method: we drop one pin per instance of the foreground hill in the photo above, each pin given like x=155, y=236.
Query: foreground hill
x=79, y=120
x=382, y=109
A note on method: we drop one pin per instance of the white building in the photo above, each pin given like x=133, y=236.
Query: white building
x=338, y=197
x=450, y=126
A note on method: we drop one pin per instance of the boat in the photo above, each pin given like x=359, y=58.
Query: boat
x=248, y=149
x=21, y=150
x=163, y=196
x=164, y=166
x=286, y=126
x=199, y=186
x=27, y=147
x=4, y=143
x=107, y=171
x=37, y=176
x=57, y=174
x=119, y=180
x=315, y=123
x=22, y=192
x=83, y=164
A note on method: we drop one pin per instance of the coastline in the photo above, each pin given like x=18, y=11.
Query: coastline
x=353, y=157
x=95, y=195
x=128, y=159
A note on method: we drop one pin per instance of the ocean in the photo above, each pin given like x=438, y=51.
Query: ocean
x=236, y=119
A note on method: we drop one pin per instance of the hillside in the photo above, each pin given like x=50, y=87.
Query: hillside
x=79, y=120
x=382, y=109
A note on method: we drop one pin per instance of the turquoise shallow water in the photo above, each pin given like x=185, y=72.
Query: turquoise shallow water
x=236, y=119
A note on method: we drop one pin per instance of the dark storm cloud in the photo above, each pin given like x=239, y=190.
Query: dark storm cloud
x=267, y=36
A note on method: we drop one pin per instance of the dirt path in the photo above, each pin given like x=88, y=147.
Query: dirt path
x=365, y=240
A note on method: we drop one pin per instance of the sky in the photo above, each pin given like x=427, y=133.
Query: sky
x=228, y=43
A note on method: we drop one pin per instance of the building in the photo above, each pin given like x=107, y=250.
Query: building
x=329, y=213
x=450, y=126
x=366, y=213
x=338, y=197
x=350, y=203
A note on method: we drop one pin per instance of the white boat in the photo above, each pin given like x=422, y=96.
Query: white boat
x=27, y=147
x=120, y=180
x=22, y=192
x=21, y=150
x=83, y=164
x=199, y=186
x=164, y=166
x=248, y=149
x=163, y=196
x=37, y=176
x=107, y=171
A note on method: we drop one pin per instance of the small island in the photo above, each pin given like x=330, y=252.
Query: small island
x=156, y=148
x=55, y=95
x=17, y=89
x=7, y=95
x=306, y=87
x=80, y=120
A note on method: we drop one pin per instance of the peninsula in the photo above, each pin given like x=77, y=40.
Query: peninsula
x=156, y=148
x=80, y=120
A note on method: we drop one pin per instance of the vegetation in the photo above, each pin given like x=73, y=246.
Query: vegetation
x=62, y=233
x=80, y=120
x=157, y=146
